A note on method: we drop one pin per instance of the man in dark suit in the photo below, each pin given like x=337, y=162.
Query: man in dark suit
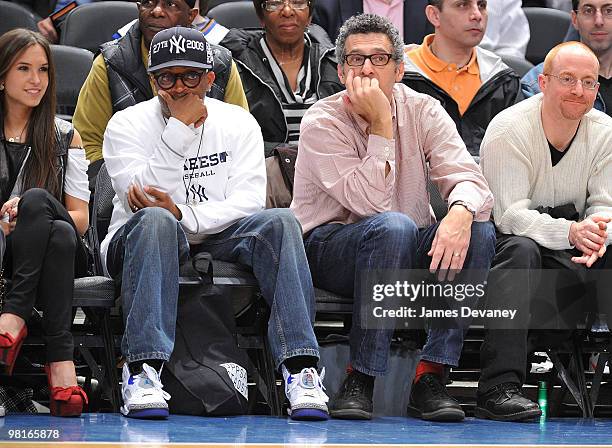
x=331, y=14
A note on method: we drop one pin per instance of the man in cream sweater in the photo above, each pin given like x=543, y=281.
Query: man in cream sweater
x=548, y=161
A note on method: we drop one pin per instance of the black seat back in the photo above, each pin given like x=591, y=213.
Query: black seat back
x=236, y=15
x=15, y=16
x=520, y=65
x=90, y=25
x=547, y=27
x=102, y=212
x=213, y=3
x=72, y=66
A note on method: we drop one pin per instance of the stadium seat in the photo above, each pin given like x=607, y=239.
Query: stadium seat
x=236, y=15
x=520, y=65
x=72, y=66
x=548, y=28
x=90, y=25
x=15, y=16
x=213, y=3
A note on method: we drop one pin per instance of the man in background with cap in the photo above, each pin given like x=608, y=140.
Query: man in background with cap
x=118, y=77
x=189, y=176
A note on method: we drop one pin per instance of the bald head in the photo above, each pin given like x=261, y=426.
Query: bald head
x=569, y=82
x=557, y=57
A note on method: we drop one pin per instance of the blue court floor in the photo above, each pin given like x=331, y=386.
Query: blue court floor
x=113, y=429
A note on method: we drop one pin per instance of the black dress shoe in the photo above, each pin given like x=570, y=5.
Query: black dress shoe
x=430, y=400
x=354, y=398
x=505, y=402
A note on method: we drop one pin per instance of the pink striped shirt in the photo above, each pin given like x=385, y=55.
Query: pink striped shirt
x=391, y=9
x=340, y=169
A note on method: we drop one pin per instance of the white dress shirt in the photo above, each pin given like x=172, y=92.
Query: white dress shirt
x=507, y=29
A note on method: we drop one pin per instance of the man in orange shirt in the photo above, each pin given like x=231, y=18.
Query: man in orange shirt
x=472, y=84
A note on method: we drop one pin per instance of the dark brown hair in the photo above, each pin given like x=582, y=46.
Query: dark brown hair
x=40, y=170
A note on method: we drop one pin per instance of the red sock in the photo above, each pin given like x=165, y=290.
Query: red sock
x=424, y=367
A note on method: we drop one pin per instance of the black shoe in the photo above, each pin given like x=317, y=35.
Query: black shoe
x=354, y=398
x=505, y=402
x=430, y=400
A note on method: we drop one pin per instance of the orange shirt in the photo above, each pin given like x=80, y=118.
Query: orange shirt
x=461, y=84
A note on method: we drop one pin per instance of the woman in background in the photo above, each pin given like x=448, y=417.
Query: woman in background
x=285, y=67
x=44, y=197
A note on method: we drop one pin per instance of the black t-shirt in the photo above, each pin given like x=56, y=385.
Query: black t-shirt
x=605, y=89
x=555, y=154
x=12, y=156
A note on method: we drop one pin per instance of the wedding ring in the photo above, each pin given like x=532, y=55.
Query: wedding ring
x=134, y=208
x=456, y=254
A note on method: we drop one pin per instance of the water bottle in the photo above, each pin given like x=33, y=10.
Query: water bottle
x=543, y=399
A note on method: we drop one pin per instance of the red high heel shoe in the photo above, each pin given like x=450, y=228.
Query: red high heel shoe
x=65, y=401
x=9, y=349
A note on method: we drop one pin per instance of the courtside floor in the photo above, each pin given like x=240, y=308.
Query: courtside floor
x=113, y=430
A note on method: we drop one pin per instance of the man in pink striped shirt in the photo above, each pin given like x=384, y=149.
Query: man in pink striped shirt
x=361, y=196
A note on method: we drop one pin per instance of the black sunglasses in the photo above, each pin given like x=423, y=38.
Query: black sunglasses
x=167, y=80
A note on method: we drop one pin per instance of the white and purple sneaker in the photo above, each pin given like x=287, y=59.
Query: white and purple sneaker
x=304, y=391
x=143, y=394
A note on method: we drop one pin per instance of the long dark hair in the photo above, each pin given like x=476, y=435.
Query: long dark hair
x=41, y=167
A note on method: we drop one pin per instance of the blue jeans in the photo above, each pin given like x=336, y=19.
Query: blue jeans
x=270, y=242
x=337, y=253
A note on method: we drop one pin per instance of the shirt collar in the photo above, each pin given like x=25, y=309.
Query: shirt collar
x=438, y=65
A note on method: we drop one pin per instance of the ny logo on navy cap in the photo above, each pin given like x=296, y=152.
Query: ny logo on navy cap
x=180, y=47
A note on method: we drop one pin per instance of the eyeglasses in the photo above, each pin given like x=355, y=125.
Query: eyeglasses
x=166, y=4
x=191, y=79
x=570, y=81
x=357, y=60
x=277, y=5
x=591, y=11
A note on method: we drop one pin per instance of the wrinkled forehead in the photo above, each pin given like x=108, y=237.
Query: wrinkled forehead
x=368, y=43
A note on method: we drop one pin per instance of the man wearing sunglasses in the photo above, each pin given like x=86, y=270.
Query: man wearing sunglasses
x=548, y=161
x=360, y=193
x=472, y=84
x=118, y=77
x=189, y=175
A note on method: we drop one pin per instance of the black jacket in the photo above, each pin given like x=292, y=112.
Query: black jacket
x=259, y=84
x=331, y=14
x=127, y=76
x=501, y=88
x=64, y=132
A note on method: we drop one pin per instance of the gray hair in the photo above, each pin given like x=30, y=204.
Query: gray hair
x=369, y=23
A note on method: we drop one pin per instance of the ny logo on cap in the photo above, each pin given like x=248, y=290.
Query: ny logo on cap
x=177, y=44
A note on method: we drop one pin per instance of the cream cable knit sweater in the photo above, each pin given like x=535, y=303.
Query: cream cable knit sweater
x=515, y=159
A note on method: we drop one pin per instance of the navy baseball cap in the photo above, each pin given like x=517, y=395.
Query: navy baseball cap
x=180, y=47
